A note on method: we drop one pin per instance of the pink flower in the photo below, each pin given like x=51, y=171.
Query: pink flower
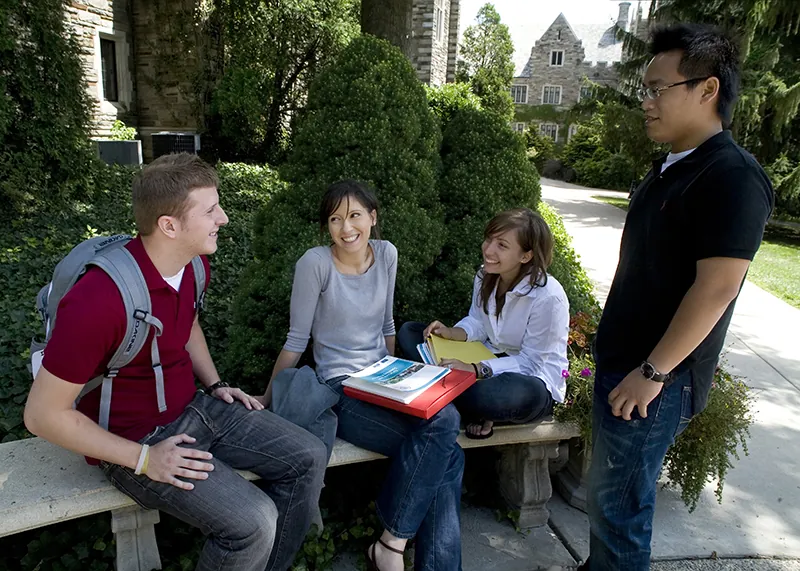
x=565, y=373
x=587, y=372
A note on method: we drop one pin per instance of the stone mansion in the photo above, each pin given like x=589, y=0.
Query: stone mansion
x=565, y=60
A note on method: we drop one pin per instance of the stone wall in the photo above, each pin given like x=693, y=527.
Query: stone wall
x=452, y=51
x=167, y=53
x=89, y=20
x=430, y=57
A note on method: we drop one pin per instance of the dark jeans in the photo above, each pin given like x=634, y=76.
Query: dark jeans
x=247, y=528
x=626, y=461
x=421, y=496
x=507, y=397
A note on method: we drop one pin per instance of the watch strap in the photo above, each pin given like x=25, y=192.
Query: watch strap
x=209, y=390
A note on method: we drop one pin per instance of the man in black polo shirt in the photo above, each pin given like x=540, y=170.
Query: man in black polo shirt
x=693, y=227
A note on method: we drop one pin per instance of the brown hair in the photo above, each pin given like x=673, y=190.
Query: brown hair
x=533, y=235
x=163, y=187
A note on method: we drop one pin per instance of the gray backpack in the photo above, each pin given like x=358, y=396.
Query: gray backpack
x=108, y=253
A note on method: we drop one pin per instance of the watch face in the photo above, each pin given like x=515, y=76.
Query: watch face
x=485, y=371
x=647, y=370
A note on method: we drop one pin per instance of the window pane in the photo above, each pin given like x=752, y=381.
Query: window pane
x=108, y=64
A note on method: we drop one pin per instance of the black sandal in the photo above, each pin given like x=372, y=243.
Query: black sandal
x=479, y=436
x=371, y=565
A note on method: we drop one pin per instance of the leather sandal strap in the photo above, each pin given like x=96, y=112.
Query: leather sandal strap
x=389, y=547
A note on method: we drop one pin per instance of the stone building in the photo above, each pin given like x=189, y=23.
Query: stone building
x=564, y=61
x=125, y=46
x=435, y=40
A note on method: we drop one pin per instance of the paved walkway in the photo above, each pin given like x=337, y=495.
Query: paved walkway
x=760, y=513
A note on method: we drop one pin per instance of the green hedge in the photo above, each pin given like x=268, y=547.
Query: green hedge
x=485, y=170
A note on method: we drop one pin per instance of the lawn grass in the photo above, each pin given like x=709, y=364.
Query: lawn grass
x=776, y=267
x=777, y=264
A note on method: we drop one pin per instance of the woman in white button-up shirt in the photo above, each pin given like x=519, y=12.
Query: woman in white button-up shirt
x=521, y=314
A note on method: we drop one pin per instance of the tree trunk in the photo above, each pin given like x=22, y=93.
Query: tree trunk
x=390, y=20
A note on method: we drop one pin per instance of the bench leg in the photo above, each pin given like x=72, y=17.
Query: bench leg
x=571, y=480
x=524, y=476
x=136, y=539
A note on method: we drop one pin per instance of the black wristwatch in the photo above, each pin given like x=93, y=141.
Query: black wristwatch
x=486, y=370
x=651, y=373
x=209, y=390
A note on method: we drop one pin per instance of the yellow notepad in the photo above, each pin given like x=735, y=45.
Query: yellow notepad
x=465, y=351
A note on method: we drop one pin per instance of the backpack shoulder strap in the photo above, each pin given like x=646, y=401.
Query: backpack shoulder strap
x=199, y=269
x=123, y=269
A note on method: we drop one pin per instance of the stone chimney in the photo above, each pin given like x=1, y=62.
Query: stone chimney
x=622, y=18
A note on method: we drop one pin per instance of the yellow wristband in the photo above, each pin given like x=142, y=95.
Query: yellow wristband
x=146, y=461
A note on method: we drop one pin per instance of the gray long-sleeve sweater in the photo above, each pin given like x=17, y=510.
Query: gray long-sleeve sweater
x=348, y=316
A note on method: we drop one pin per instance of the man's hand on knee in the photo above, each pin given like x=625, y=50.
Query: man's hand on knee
x=634, y=391
x=168, y=462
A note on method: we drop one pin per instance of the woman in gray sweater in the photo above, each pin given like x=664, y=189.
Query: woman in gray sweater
x=342, y=298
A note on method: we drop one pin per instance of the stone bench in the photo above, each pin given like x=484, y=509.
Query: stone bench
x=42, y=484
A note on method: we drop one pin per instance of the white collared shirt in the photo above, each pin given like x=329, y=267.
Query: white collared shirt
x=532, y=329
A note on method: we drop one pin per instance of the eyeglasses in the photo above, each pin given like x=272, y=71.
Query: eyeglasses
x=654, y=92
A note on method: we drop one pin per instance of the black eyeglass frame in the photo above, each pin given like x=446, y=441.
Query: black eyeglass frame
x=655, y=92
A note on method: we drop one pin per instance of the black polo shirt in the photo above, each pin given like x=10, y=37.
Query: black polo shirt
x=713, y=203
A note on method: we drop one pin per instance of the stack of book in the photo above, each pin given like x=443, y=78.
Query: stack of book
x=413, y=388
x=437, y=348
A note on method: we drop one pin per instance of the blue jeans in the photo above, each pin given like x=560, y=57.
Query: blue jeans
x=507, y=397
x=626, y=460
x=247, y=529
x=421, y=496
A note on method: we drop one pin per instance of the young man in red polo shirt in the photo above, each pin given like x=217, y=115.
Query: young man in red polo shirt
x=183, y=460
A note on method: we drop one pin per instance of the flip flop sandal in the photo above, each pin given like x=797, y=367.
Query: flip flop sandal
x=479, y=436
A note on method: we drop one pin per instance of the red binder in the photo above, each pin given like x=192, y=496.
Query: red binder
x=434, y=399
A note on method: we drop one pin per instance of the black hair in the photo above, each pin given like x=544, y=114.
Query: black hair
x=707, y=52
x=342, y=191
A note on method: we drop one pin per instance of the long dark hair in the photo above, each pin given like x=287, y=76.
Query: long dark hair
x=342, y=191
x=533, y=235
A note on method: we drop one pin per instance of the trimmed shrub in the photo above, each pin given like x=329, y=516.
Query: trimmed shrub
x=449, y=98
x=485, y=171
x=367, y=118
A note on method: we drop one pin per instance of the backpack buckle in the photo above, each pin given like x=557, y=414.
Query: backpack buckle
x=112, y=373
x=140, y=314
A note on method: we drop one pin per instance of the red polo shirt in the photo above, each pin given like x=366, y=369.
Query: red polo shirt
x=91, y=325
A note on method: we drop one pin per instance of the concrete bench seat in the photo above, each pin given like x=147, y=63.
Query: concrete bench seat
x=42, y=484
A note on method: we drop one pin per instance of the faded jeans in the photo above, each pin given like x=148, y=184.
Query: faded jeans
x=247, y=528
x=626, y=460
x=421, y=496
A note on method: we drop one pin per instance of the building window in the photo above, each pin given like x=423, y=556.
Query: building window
x=519, y=127
x=438, y=20
x=559, y=34
x=549, y=130
x=551, y=95
x=108, y=67
x=587, y=92
x=557, y=58
x=519, y=93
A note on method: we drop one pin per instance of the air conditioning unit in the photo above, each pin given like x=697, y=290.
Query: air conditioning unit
x=166, y=142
